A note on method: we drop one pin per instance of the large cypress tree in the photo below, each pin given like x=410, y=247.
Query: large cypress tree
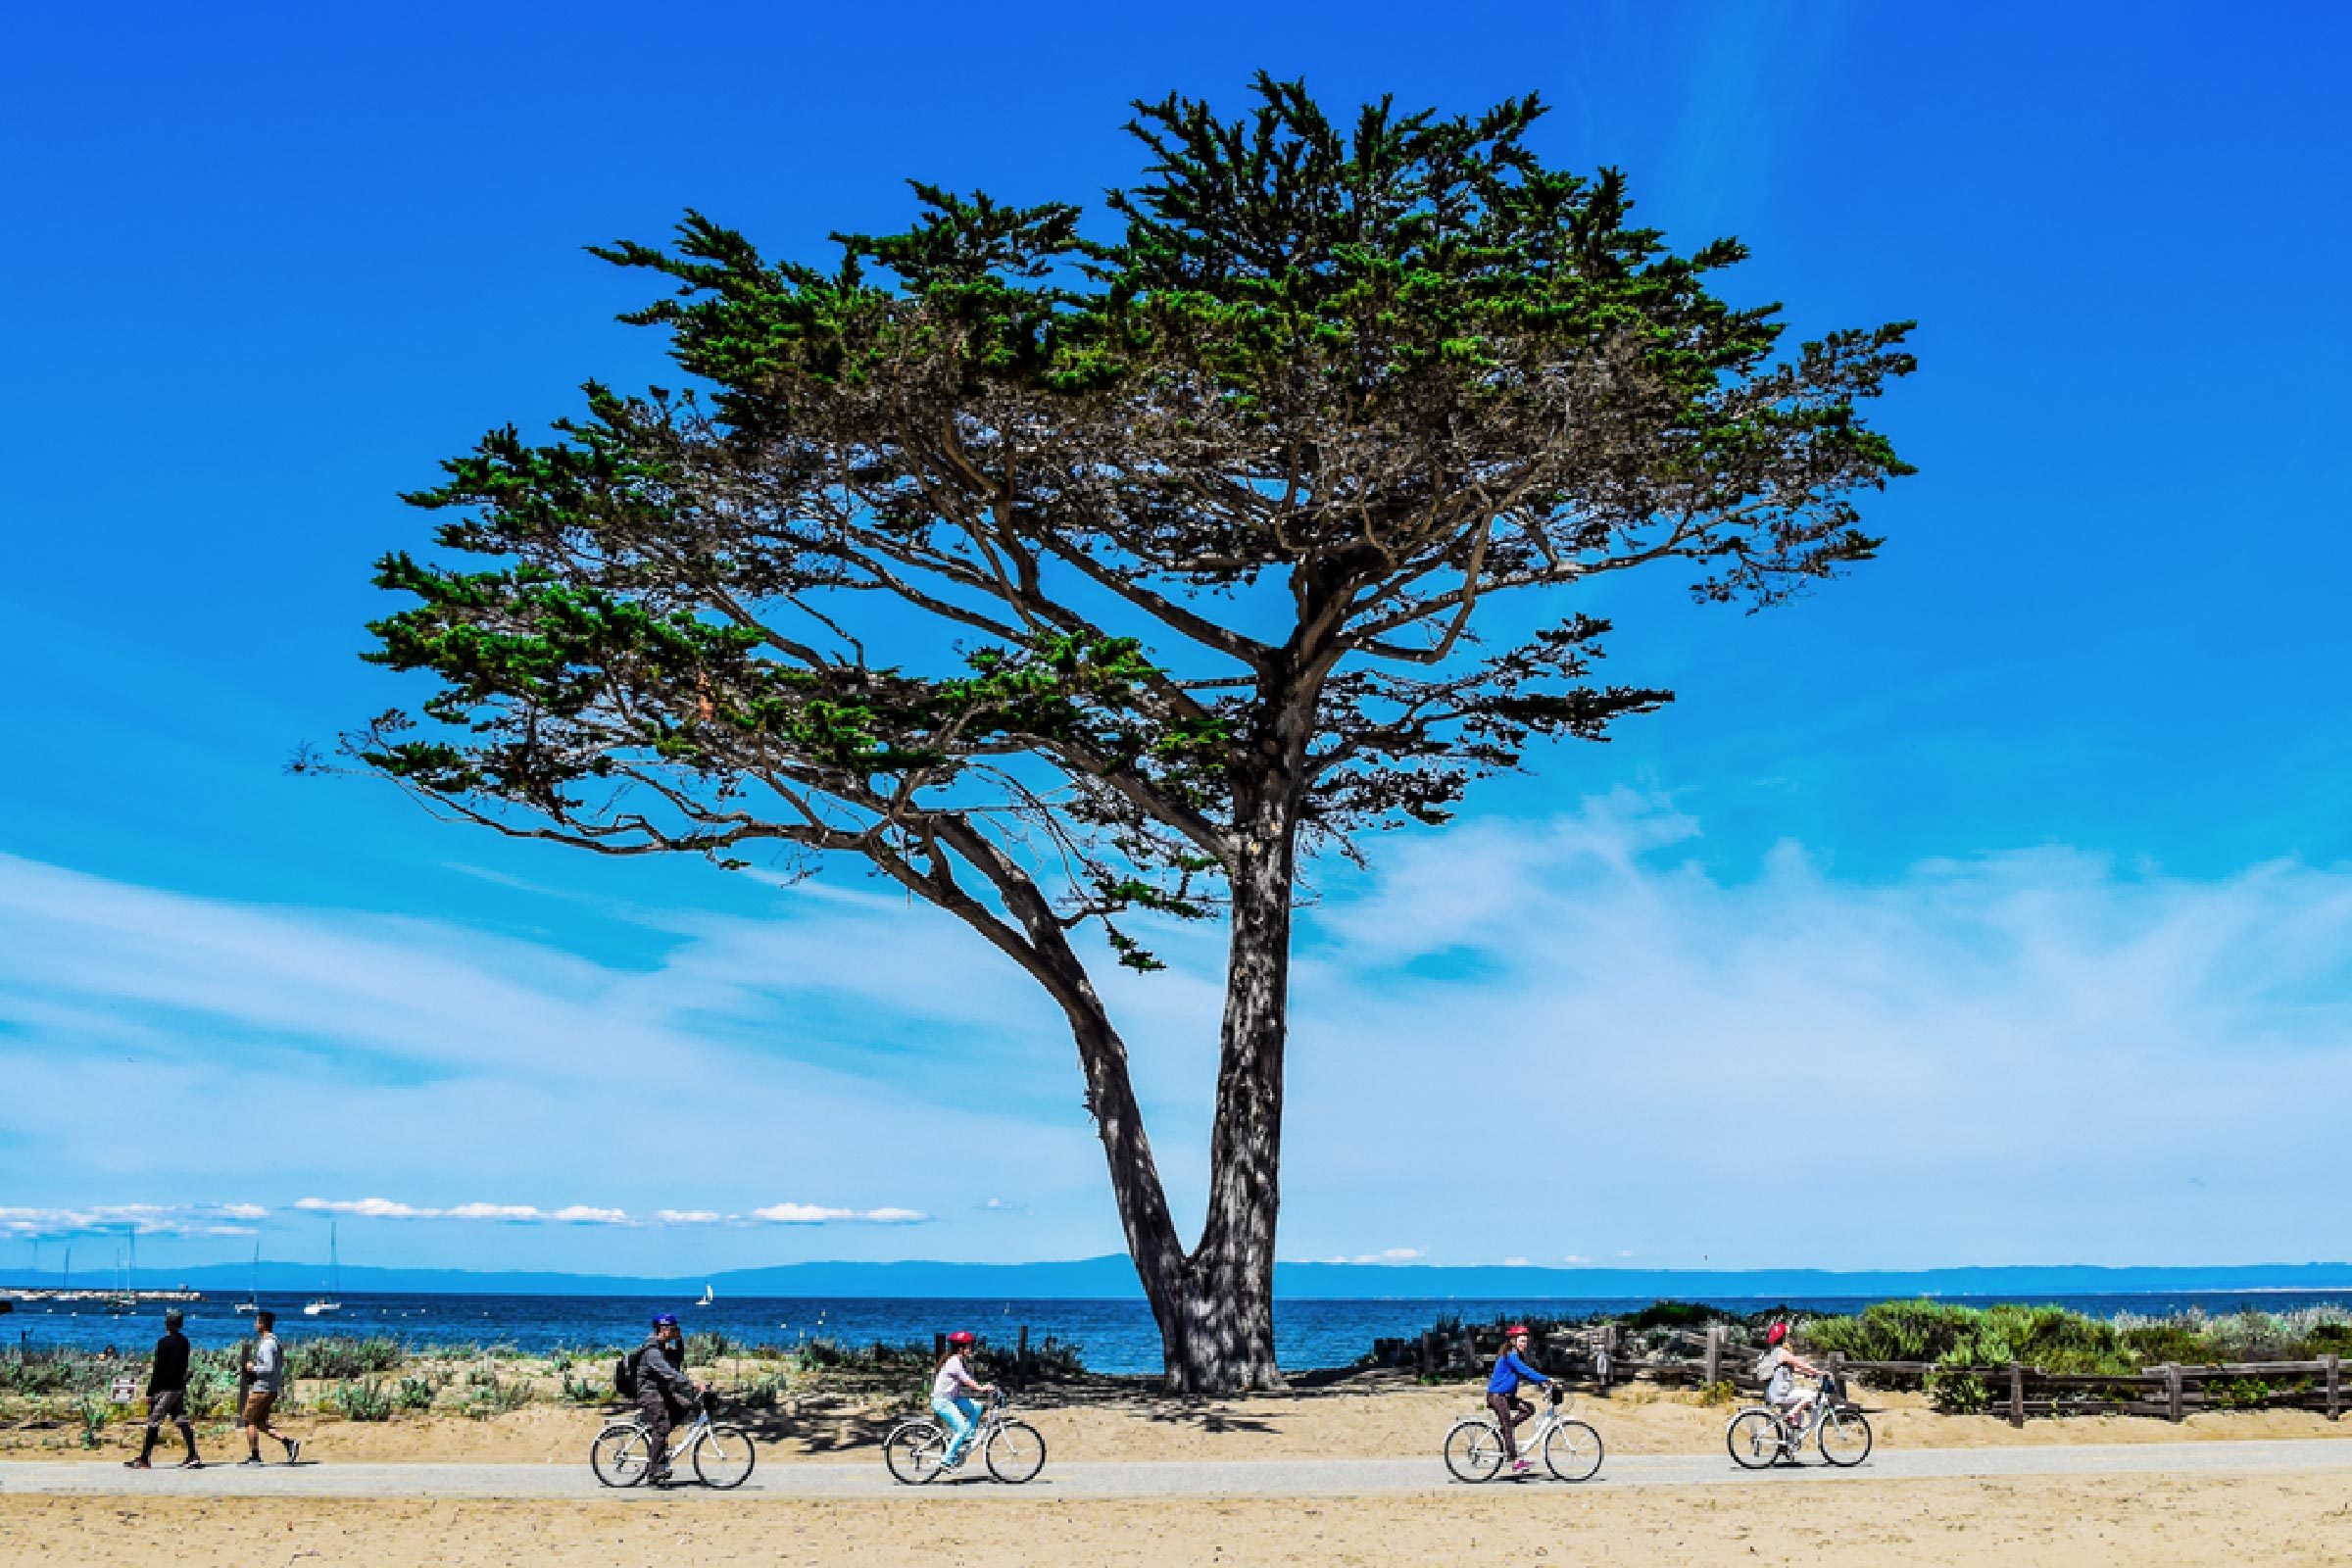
x=1059, y=578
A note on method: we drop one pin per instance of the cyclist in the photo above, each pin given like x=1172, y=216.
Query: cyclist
x=952, y=1391
x=663, y=1390
x=1511, y=1373
x=1780, y=1367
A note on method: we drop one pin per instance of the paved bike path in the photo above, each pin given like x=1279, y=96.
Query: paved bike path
x=1264, y=1478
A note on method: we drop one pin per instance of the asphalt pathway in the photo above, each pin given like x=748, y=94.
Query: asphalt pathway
x=1275, y=1478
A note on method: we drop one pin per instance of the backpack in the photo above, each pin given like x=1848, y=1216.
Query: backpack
x=624, y=1376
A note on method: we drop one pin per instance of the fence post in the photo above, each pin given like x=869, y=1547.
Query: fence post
x=1429, y=1353
x=2017, y=1394
x=2171, y=1390
x=1020, y=1358
x=939, y=1346
x=1604, y=1361
x=2335, y=1386
x=1714, y=1354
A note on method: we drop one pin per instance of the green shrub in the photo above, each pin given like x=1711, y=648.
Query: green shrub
x=364, y=1400
x=591, y=1389
x=493, y=1398
x=706, y=1349
x=342, y=1357
x=415, y=1394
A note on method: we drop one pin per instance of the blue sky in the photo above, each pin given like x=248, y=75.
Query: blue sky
x=2019, y=859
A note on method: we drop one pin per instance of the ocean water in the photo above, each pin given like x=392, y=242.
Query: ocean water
x=1112, y=1336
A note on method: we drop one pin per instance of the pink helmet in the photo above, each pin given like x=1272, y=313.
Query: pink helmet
x=1776, y=1334
x=1514, y=1331
x=959, y=1336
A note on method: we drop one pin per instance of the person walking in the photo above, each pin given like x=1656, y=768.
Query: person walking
x=167, y=1394
x=664, y=1392
x=268, y=1369
x=1511, y=1372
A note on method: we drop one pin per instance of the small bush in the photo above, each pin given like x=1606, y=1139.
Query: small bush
x=1717, y=1394
x=415, y=1394
x=342, y=1357
x=706, y=1349
x=592, y=1390
x=494, y=1398
x=359, y=1401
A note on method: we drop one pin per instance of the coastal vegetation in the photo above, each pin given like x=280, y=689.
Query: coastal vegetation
x=1081, y=576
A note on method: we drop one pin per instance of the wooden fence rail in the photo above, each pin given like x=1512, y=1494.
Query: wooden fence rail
x=1601, y=1356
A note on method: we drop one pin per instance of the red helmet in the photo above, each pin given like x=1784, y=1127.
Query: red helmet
x=1514, y=1331
x=1776, y=1334
x=959, y=1336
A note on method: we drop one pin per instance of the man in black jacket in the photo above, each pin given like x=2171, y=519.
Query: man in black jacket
x=663, y=1390
x=167, y=1394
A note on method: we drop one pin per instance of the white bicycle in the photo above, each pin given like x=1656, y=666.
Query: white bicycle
x=916, y=1450
x=1571, y=1449
x=1759, y=1436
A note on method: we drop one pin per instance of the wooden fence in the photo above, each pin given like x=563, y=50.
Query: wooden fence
x=1604, y=1355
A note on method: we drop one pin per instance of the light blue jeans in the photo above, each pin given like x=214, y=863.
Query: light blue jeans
x=963, y=1417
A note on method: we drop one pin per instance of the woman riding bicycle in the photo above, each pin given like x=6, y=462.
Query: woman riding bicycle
x=1780, y=1367
x=1511, y=1372
x=951, y=1388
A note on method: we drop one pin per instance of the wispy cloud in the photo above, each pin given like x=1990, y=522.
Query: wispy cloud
x=592, y=1214
x=132, y=1219
x=1393, y=1254
x=816, y=1214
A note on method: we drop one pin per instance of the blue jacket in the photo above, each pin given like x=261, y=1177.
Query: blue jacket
x=1510, y=1372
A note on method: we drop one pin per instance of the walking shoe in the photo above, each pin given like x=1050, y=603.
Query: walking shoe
x=254, y=1458
x=293, y=1450
x=189, y=1463
x=136, y=1464
x=1520, y=1467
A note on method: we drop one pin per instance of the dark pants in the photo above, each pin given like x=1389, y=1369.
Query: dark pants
x=661, y=1411
x=169, y=1404
x=1509, y=1410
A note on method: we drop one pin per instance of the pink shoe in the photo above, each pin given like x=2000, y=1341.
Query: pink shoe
x=1520, y=1467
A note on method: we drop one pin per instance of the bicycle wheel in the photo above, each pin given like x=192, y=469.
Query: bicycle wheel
x=1843, y=1437
x=1572, y=1450
x=619, y=1455
x=1474, y=1449
x=1754, y=1438
x=723, y=1457
x=914, y=1451
x=1015, y=1452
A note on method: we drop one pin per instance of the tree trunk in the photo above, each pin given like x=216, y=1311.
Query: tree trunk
x=1217, y=1330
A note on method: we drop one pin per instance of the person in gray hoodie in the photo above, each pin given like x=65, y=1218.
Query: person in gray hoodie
x=267, y=1370
x=663, y=1390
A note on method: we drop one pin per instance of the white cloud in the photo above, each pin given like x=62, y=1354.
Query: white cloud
x=813, y=1214
x=131, y=1219
x=366, y=1208
x=1514, y=1262
x=688, y=1216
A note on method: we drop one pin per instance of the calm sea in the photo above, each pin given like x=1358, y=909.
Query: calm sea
x=1113, y=1336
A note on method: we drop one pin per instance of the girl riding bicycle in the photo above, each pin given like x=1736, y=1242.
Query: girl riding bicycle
x=1780, y=1367
x=1511, y=1373
x=951, y=1388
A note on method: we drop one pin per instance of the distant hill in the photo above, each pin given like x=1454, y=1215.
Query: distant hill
x=1098, y=1278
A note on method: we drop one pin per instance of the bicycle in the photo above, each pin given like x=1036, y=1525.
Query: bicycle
x=1758, y=1435
x=1571, y=1449
x=722, y=1454
x=916, y=1449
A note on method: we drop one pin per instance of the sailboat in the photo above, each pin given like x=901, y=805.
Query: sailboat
x=253, y=1297
x=125, y=1298
x=708, y=1295
x=335, y=1287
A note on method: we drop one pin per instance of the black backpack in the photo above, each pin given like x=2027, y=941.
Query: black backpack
x=624, y=1376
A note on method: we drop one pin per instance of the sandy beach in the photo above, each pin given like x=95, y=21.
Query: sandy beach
x=2055, y=1520
x=2047, y=1522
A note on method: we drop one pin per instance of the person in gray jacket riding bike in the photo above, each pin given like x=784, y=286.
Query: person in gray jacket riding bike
x=664, y=1391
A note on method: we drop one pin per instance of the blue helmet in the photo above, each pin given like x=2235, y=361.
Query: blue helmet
x=666, y=1319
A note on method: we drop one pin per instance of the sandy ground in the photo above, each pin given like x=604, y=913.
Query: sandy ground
x=2046, y=1521
x=1370, y=1416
